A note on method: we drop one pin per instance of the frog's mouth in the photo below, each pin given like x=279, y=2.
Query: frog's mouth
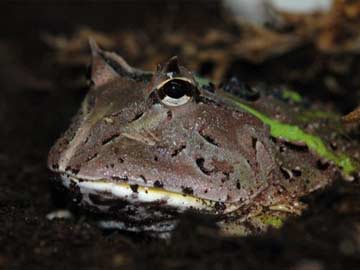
x=105, y=190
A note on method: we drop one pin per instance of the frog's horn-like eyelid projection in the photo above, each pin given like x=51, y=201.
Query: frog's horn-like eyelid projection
x=107, y=66
x=172, y=66
x=101, y=72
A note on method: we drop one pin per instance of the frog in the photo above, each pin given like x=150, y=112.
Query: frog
x=146, y=147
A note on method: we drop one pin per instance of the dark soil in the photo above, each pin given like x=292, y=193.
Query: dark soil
x=33, y=113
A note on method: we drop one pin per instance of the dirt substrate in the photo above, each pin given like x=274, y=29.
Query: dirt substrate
x=33, y=112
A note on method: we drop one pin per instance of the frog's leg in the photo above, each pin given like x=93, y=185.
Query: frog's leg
x=269, y=210
x=255, y=222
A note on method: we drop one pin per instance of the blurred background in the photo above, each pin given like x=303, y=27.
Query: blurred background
x=310, y=46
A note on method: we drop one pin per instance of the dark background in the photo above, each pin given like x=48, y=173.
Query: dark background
x=34, y=110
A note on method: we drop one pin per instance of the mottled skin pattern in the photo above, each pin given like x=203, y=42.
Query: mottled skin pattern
x=207, y=148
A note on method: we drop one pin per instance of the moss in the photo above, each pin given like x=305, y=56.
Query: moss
x=273, y=221
x=293, y=133
x=311, y=115
x=291, y=95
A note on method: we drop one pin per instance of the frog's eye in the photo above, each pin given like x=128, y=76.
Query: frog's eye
x=176, y=91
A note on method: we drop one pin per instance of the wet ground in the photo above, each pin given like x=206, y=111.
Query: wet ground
x=34, y=110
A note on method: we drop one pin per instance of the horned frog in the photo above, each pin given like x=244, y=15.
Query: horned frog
x=147, y=146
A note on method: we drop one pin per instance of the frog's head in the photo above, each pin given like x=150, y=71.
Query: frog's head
x=160, y=138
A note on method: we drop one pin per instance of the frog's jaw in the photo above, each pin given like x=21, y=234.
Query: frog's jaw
x=142, y=196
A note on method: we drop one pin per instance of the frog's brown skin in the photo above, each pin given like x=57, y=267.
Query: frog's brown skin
x=207, y=154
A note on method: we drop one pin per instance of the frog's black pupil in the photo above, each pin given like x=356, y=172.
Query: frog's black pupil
x=176, y=89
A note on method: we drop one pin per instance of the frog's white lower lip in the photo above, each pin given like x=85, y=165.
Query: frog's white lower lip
x=140, y=194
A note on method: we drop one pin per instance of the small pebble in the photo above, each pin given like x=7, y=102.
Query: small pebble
x=59, y=214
